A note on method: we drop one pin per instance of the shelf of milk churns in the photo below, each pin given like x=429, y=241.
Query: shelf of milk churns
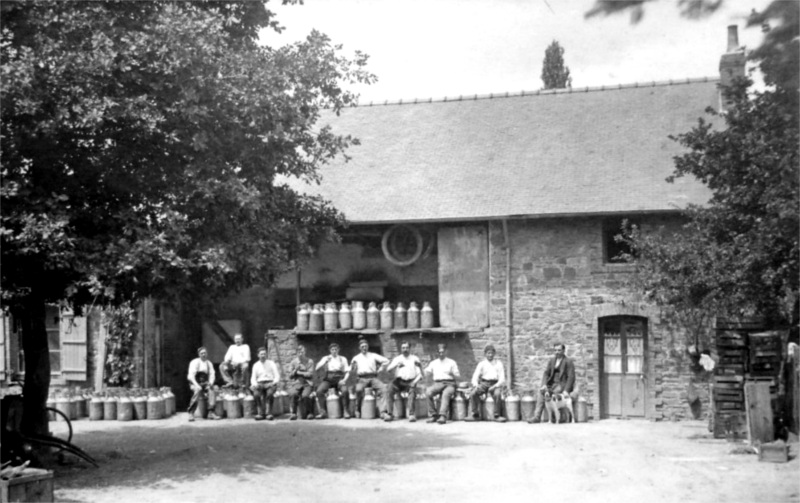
x=327, y=318
x=113, y=405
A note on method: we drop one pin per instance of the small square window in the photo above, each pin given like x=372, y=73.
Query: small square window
x=614, y=250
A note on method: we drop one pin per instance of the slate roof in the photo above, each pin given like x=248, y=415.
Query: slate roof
x=588, y=151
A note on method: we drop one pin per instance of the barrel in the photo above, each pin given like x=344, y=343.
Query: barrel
x=333, y=405
x=155, y=408
x=399, y=406
x=512, y=408
x=96, y=407
x=368, y=407
x=110, y=409
x=459, y=406
x=249, y=407
x=488, y=407
x=62, y=405
x=527, y=407
x=581, y=410
x=125, y=409
x=140, y=407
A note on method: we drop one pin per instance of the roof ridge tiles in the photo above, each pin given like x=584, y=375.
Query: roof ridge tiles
x=540, y=92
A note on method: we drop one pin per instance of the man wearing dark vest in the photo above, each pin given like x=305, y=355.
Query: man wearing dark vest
x=558, y=377
x=201, y=379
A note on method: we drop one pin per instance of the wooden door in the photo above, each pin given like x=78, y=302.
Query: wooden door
x=623, y=366
x=463, y=277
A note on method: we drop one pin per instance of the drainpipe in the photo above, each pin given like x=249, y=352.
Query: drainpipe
x=297, y=289
x=507, y=246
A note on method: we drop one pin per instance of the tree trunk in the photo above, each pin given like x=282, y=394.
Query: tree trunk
x=37, y=365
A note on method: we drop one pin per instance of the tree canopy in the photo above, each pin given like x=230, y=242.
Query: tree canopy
x=143, y=144
x=555, y=74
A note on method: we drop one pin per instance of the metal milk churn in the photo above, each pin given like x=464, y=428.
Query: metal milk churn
x=400, y=316
x=73, y=406
x=202, y=407
x=51, y=402
x=277, y=404
x=169, y=398
x=140, y=406
x=512, y=407
x=219, y=404
x=373, y=317
x=62, y=405
x=302, y=317
x=249, y=406
x=351, y=402
x=154, y=406
x=331, y=319
x=315, y=319
x=387, y=316
x=426, y=315
x=527, y=406
x=110, y=408
x=83, y=408
x=459, y=406
x=124, y=409
x=345, y=317
x=96, y=409
x=359, y=316
x=488, y=407
x=368, y=406
x=233, y=407
x=421, y=408
x=581, y=410
x=412, y=316
x=399, y=406
x=333, y=405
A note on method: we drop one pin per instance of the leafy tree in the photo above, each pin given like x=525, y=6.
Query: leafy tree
x=554, y=74
x=143, y=145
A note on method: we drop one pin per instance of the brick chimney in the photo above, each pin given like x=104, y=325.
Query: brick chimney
x=731, y=64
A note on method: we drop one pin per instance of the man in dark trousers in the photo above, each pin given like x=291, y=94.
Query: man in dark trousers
x=558, y=377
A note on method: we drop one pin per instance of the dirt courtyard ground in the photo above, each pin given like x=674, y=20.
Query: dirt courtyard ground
x=369, y=460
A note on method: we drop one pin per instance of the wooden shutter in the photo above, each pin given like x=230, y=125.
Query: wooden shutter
x=463, y=277
x=73, y=346
x=4, y=329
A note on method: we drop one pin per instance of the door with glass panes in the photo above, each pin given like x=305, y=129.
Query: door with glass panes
x=623, y=366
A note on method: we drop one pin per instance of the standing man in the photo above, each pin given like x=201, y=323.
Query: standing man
x=367, y=365
x=558, y=377
x=407, y=374
x=201, y=379
x=236, y=361
x=264, y=383
x=336, y=373
x=445, y=373
x=489, y=377
x=301, y=372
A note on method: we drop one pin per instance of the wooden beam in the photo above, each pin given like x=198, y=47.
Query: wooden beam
x=758, y=405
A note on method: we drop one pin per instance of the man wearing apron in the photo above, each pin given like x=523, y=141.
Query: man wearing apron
x=201, y=381
x=336, y=373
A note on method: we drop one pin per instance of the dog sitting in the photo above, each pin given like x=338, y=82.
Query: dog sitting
x=555, y=403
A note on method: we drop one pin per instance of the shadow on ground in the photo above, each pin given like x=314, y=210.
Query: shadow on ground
x=141, y=455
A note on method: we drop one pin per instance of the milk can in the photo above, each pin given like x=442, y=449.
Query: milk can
x=581, y=410
x=249, y=406
x=96, y=409
x=512, y=407
x=233, y=407
x=412, y=316
x=368, y=406
x=421, y=409
x=83, y=408
x=73, y=406
x=345, y=317
x=124, y=409
x=277, y=404
x=140, y=406
x=51, y=402
x=62, y=405
x=488, y=407
x=399, y=406
x=169, y=402
x=110, y=408
x=373, y=317
x=333, y=405
x=426, y=315
x=219, y=405
x=202, y=407
x=387, y=316
x=400, y=316
x=359, y=316
x=527, y=407
x=155, y=407
x=315, y=319
x=351, y=402
x=331, y=317
x=459, y=407
x=302, y=317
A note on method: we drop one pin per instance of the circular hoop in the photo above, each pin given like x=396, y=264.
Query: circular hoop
x=390, y=254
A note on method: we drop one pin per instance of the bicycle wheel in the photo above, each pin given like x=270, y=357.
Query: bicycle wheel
x=62, y=426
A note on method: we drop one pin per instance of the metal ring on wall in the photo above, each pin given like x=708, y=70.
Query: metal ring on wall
x=391, y=255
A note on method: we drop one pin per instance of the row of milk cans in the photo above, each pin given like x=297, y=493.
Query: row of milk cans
x=327, y=317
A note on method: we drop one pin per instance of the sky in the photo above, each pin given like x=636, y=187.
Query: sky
x=436, y=48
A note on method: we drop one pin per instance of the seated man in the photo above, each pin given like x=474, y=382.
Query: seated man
x=336, y=373
x=445, y=373
x=407, y=376
x=236, y=362
x=558, y=377
x=489, y=377
x=201, y=379
x=301, y=372
x=264, y=383
x=367, y=365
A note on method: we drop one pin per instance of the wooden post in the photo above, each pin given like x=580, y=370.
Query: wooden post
x=758, y=405
x=100, y=359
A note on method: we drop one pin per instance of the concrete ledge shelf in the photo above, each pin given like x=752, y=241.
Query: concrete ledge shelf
x=402, y=331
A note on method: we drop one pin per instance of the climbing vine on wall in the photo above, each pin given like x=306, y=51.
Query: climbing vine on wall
x=123, y=329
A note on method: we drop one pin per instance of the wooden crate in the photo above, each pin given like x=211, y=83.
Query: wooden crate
x=34, y=485
x=774, y=452
x=730, y=424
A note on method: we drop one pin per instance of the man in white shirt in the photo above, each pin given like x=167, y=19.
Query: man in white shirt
x=264, y=383
x=407, y=375
x=489, y=377
x=236, y=362
x=201, y=380
x=445, y=374
x=336, y=374
x=367, y=365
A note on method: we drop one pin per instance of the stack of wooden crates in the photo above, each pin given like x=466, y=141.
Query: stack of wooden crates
x=746, y=354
